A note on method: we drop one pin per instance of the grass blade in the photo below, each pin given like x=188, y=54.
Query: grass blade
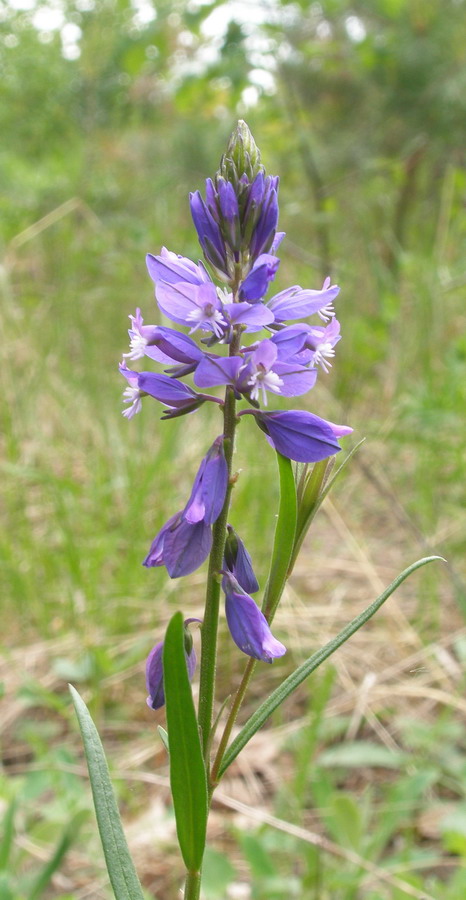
x=125, y=882
x=61, y=849
x=260, y=716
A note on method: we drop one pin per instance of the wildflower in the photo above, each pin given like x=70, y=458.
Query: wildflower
x=165, y=345
x=209, y=488
x=321, y=342
x=185, y=541
x=180, y=546
x=248, y=626
x=207, y=308
x=298, y=434
x=257, y=281
x=297, y=303
x=256, y=372
x=178, y=397
x=238, y=562
x=172, y=268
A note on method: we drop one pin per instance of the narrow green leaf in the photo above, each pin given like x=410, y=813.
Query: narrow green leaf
x=284, y=538
x=187, y=770
x=125, y=882
x=313, y=493
x=260, y=716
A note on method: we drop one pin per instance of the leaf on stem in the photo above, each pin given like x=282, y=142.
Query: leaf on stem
x=188, y=778
x=313, y=489
x=125, y=882
x=284, y=538
x=260, y=716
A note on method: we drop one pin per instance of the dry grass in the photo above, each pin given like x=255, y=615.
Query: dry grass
x=387, y=671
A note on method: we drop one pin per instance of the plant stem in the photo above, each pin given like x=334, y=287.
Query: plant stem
x=211, y=611
x=239, y=697
x=192, y=887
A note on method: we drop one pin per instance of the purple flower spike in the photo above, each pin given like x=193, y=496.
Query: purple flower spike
x=248, y=626
x=154, y=669
x=238, y=562
x=209, y=488
x=300, y=435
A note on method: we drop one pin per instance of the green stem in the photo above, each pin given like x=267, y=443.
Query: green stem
x=239, y=697
x=212, y=602
x=192, y=887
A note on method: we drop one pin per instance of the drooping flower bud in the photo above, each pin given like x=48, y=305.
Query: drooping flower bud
x=239, y=563
x=248, y=626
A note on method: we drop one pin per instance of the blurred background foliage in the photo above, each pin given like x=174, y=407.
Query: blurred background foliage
x=110, y=113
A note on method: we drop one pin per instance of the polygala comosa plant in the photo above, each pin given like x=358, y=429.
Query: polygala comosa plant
x=235, y=346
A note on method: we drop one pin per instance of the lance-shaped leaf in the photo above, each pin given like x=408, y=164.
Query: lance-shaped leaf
x=260, y=716
x=314, y=485
x=284, y=538
x=188, y=779
x=125, y=882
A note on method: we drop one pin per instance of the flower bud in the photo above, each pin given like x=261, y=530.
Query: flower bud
x=154, y=668
x=242, y=156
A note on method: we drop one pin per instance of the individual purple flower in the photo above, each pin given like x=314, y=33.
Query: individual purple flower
x=173, y=268
x=132, y=393
x=173, y=394
x=141, y=337
x=290, y=341
x=256, y=373
x=184, y=542
x=238, y=562
x=209, y=488
x=228, y=214
x=298, y=303
x=154, y=668
x=320, y=342
x=264, y=372
x=256, y=283
x=252, y=315
x=300, y=435
x=309, y=345
x=205, y=307
x=165, y=345
x=209, y=234
x=197, y=306
x=248, y=626
x=180, y=546
x=264, y=197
